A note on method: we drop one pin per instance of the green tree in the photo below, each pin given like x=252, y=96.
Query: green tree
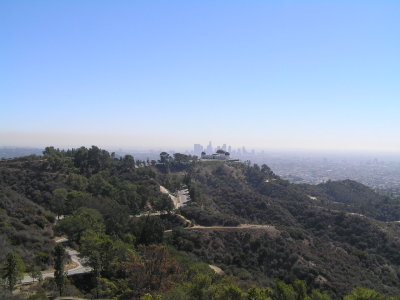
x=148, y=230
x=98, y=159
x=127, y=195
x=36, y=273
x=75, y=200
x=228, y=291
x=104, y=253
x=83, y=219
x=317, y=295
x=56, y=160
x=81, y=159
x=50, y=150
x=13, y=270
x=199, y=287
x=98, y=248
x=360, y=293
x=284, y=291
x=164, y=157
x=96, y=265
x=98, y=185
x=59, y=276
x=128, y=163
x=267, y=170
x=58, y=201
x=106, y=288
x=39, y=296
x=300, y=288
x=180, y=158
x=77, y=182
x=163, y=203
x=256, y=293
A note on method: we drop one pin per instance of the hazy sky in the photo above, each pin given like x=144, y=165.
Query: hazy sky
x=265, y=74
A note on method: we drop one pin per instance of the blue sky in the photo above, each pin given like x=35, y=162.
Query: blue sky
x=266, y=74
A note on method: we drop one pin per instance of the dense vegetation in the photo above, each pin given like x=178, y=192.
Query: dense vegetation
x=323, y=241
x=326, y=247
x=351, y=196
x=25, y=228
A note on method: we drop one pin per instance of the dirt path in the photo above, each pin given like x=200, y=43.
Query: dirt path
x=241, y=226
x=76, y=267
x=269, y=228
x=217, y=270
x=187, y=222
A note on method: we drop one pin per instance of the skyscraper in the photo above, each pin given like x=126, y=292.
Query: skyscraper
x=197, y=149
x=209, y=148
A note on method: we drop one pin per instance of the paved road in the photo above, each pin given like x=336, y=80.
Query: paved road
x=79, y=269
x=180, y=198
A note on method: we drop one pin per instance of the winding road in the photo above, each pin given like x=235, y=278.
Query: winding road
x=78, y=262
x=180, y=198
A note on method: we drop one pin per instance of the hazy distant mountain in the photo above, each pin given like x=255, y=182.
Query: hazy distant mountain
x=10, y=152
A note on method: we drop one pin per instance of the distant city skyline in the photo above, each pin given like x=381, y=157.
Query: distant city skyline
x=210, y=149
x=291, y=75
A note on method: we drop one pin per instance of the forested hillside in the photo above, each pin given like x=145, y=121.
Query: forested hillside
x=312, y=242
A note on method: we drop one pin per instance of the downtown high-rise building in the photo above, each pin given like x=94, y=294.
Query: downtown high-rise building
x=197, y=149
x=209, y=148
